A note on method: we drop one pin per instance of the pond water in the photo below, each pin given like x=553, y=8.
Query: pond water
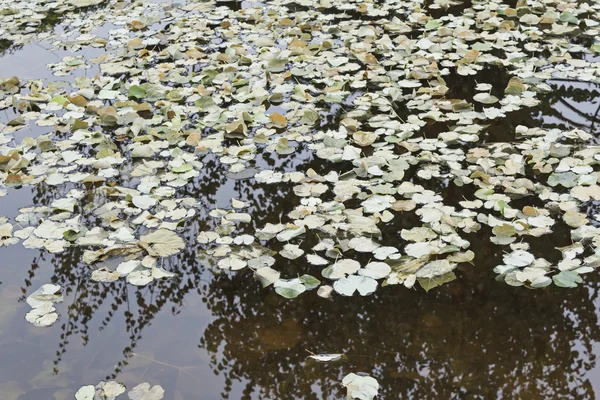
x=209, y=334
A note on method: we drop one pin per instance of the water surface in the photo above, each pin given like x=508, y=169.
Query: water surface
x=210, y=335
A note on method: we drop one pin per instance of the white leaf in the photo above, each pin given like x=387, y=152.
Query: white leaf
x=410, y=281
x=360, y=387
x=530, y=274
x=291, y=251
x=207, y=237
x=123, y=234
x=243, y=240
x=47, y=293
x=240, y=217
x=362, y=244
x=162, y=243
x=325, y=291
x=375, y=270
x=143, y=391
x=435, y=268
x=86, y=393
x=232, y=263
x=381, y=253
x=85, y=3
x=541, y=221
x=127, y=267
x=420, y=249
x=289, y=234
x=140, y=278
x=43, y=315
x=105, y=275
x=289, y=288
x=111, y=389
x=341, y=268
x=143, y=202
x=267, y=275
x=325, y=357
x=316, y=259
x=377, y=203
x=485, y=98
x=519, y=258
x=348, y=285
x=238, y=203
x=50, y=230
x=158, y=272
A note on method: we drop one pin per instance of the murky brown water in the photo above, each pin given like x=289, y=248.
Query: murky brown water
x=203, y=335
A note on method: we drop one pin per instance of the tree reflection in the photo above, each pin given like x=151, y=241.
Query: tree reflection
x=473, y=338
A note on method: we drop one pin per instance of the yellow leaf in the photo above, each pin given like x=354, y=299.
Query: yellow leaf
x=279, y=120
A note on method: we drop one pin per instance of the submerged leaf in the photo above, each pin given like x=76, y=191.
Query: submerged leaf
x=430, y=283
x=289, y=288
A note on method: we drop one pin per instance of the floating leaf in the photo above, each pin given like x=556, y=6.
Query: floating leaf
x=568, y=279
x=42, y=302
x=360, y=387
x=375, y=270
x=143, y=202
x=144, y=391
x=289, y=288
x=111, y=389
x=316, y=260
x=519, y=258
x=341, y=268
x=326, y=357
x=430, y=283
x=267, y=275
x=485, y=98
x=363, y=245
x=105, y=275
x=162, y=243
x=325, y=291
x=515, y=86
x=136, y=92
x=435, y=268
x=43, y=315
x=86, y=393
x=278, y=119
x=277, y=65
x=291, y=251
x=309, y=281
x=348, y=285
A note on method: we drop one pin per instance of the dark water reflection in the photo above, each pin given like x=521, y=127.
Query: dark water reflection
x=473, y=338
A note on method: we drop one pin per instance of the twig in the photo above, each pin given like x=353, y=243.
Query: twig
x=182, y=369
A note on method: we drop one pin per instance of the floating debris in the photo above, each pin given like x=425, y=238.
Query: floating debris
x=42, y=302
x=362, y=387
x=229, y=85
